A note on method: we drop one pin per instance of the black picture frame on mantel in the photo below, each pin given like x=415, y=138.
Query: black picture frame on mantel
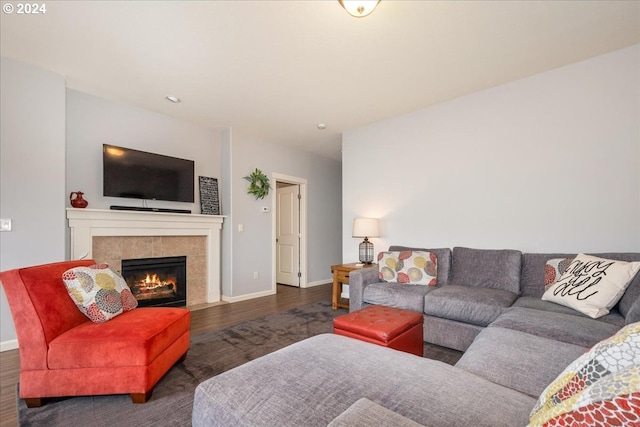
x=209, y=198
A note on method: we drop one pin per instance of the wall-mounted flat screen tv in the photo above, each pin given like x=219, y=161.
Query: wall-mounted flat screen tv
x=140, y=175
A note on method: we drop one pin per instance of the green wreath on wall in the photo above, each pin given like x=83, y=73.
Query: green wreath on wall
x=258, y=184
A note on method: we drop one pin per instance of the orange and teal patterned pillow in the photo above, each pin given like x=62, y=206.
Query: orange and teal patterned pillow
x=554, y=268
x=99, y=292
x=410, y=267
x=600, y=388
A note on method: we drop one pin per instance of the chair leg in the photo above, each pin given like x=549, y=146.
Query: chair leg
x=34, y=402
x=141, y=397
x=144, y=397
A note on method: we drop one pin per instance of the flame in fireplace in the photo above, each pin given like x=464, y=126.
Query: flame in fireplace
x=152, y=279
x=152, y=282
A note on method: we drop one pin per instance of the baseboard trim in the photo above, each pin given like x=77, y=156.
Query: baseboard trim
x=317, y=283
x=248, y=296
x=8, y=345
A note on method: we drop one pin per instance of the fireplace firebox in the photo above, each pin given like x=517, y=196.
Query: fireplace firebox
x=157, y=281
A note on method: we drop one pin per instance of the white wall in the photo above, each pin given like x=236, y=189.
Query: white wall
x=226, y=205
x=252, y=248
x=32, y=168
x=44, y=126
x=93, y=121
x=546, y=163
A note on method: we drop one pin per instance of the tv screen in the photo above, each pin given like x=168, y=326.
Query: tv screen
x=140, y=175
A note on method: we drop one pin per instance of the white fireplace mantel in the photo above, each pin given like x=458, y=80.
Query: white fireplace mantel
x=85, y=224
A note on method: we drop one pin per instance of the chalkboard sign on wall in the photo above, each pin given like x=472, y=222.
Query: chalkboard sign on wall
x=209, y=199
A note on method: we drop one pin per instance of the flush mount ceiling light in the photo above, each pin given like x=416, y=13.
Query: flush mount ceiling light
x=173, y=99
x=359, y=8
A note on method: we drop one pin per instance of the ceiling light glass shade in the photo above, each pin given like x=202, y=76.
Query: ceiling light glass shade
x=359, y=8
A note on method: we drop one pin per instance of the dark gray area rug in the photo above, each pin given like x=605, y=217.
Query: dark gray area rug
x=210, y=354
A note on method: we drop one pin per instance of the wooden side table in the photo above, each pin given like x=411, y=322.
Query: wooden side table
x=340, y=277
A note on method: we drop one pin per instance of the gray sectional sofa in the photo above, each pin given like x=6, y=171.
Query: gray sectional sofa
x=477, y=286
x=486, y=303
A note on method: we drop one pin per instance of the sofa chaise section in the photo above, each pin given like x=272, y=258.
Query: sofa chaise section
x=316, y=380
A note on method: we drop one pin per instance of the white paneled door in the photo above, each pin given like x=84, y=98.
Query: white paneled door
x=288, y=235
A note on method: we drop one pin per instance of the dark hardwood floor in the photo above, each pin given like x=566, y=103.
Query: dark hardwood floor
x=206, y=319
x=216, y=317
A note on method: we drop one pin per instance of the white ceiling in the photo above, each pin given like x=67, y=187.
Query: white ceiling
x=275, y=69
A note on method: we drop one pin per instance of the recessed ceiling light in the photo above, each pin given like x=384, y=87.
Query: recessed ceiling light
x=322, y=126
x=173, y=99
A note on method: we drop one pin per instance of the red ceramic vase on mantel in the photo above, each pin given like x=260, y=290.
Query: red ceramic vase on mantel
x=78, y=201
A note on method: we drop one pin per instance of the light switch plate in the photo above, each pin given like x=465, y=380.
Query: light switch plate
x=5, y=225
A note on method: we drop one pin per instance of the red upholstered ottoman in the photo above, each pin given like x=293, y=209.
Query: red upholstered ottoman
x=386, y=326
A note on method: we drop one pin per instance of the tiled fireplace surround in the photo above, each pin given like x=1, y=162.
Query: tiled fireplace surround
x=111, y=236
x=113, y=250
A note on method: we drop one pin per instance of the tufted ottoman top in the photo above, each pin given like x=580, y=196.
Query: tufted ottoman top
x=378, y=322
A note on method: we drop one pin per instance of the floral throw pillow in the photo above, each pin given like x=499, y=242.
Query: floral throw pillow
x=99, y=292
x=600, y=388
x=410, y=267
x=554, y=268
x=592, y=285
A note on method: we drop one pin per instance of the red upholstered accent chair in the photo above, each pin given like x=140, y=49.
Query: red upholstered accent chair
x=62, y=353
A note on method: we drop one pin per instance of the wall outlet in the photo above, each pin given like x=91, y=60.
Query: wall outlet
x=255, y=275
x=5, y=224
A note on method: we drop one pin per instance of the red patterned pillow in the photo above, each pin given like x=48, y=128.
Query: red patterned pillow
x=410, y=267
x=99, y=292
x=600, y=388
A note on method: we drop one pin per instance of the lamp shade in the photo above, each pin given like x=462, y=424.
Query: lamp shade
x=366, y=227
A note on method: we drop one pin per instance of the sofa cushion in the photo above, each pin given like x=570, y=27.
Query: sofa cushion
x=409, y=297
x=614, y=317
x=578, y=330
x=597, y=385
x=134, y=338
x=487, y=268
x=518, y=360
x=478, y=306
x=443, y=255
x=365, y=413
x=592, y=285
x=99, y=292
x=409, y=267
x=284, y=389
